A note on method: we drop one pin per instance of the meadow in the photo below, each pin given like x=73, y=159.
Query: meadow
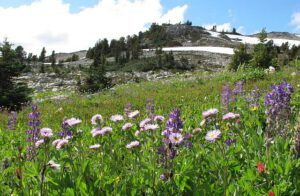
x=198, y=134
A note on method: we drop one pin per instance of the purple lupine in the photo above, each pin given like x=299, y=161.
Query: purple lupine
x=238, y=89
x=228, y=142
x=12, y=120
x=277, y=101
x=226, y=97
x=173, y=139
x=254, y=97
x=278, y=109
x=34, y=131
x=174, y=123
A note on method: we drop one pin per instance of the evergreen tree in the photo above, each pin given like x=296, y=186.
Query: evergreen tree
x=21, y=54
x=42, y=56
x=75, y=57
x=189, y=23
x=263, y=36
x=12, y=94
x=214, y=28
x=52, y=58
x=34, y=59
x=29, y=58
x=240, y=57
x=96, y=79
x=264, y=55
x=90, y=53
x=234, y=31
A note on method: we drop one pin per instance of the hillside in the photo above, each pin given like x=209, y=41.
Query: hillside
x=200, y=43
x=198, y=49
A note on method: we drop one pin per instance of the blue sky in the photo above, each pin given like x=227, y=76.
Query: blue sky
x=253, y=15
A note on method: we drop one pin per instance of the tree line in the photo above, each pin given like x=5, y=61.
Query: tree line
x=264, y=54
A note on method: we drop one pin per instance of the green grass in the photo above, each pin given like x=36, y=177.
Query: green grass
x=206, y=169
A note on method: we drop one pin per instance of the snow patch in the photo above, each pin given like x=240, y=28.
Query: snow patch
x=220, y=50
x=214, y=34
x=255, y=40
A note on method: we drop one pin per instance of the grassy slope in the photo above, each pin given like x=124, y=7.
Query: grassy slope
x=192, y=94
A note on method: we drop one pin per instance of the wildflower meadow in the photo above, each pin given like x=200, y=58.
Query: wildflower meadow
x=221, y=135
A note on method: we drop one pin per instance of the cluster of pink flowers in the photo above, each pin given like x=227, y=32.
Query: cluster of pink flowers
x=46, y=133
x=98, y=131
x=73, y=121
x=117, y=118
x=133, y=114
x=231, y=116
x=127, y=126
x=60, y=143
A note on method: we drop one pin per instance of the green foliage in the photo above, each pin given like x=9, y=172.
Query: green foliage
x=158, y=36
x=189, y=23
x=240, y=57
x=12, y=94
x=52, y=59
x=264, y=55
x=73, y=58
x=42, y=56
x=263, y=36
x=96, y=79
x=205, y=169
x=161, y=61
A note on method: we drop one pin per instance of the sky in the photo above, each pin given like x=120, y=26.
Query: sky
x=71, y=25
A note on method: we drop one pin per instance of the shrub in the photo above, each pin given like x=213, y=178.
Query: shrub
x=240, y=57
x=95, y=80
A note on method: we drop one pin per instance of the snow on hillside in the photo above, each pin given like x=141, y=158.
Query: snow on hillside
x=221, y=50
x=255, y=40
x=214, y=34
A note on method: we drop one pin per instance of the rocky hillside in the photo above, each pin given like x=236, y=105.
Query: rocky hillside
x=204, y=49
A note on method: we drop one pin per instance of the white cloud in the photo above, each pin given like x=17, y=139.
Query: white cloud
x=225, y=27
x=296, y=20
x=50, y=23
x=241, y=30
x=220, y=27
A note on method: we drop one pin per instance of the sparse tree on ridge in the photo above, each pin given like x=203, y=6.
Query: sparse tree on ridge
x=52, y=58
x=42, y=56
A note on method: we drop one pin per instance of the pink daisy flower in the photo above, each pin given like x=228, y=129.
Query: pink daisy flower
x=96, y=118
x=39, y=142
x=176, y=138
x=210, y=113
x=133, y=114
x=212, y=136
x=46, y=132
x=132, y=144
x=116, y=118
x=127, y=126
x=73, y=121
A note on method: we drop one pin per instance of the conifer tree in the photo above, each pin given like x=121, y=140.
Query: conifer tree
x=12, y=94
